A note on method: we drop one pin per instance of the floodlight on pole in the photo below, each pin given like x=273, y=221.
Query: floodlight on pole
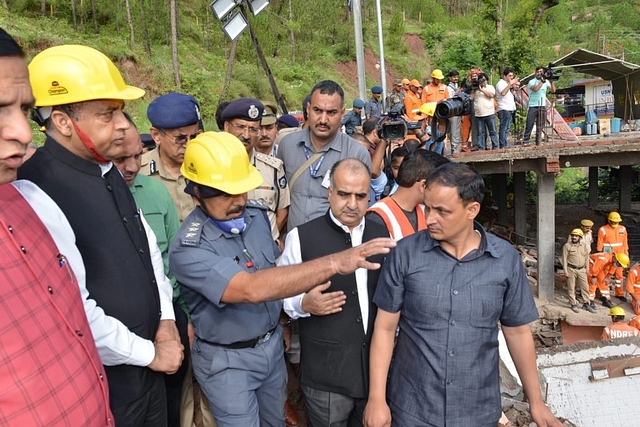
x=257, y=6
x=235, y=26
x=221, y=8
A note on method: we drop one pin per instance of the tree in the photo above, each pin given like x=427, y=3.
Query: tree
x=130, y=23
x=174, y=44
x=73, y=14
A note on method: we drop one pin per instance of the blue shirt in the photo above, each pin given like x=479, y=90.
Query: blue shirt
x=447, y=351
x=204, y=259
x=373, y=108
x=539, y=98
x=350, y=121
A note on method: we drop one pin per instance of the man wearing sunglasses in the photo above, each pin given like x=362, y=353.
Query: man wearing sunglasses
x=175, y=120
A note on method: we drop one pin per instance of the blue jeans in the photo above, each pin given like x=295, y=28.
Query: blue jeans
x=487, y=122
x=505, y=117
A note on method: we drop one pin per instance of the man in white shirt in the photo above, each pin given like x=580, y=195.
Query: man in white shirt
x=485, y=112
x=506, y=104
x=336, y=318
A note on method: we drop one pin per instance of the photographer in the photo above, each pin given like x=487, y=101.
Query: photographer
x=506, y=103
x=484, y=112
x=537, y=112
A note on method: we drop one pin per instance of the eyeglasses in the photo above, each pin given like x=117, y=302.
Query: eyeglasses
x=181, y=139
x=241, y=129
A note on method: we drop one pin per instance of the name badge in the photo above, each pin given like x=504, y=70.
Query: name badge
x=326, y=182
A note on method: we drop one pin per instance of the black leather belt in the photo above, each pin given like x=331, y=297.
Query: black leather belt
x=243, y=344
x=575, y=267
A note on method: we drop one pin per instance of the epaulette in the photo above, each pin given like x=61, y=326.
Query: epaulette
x=191, y=234
x=274, y=162
x=252, y=203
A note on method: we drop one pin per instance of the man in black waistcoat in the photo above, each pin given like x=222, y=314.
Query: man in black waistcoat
x=336, y=318
x=79, y=99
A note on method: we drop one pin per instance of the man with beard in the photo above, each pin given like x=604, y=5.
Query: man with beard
x=242, y=119
x=222, y=257
x=268, y=130
x=309, y=154
x=175, y=120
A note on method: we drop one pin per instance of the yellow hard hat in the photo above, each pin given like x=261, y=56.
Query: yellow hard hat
x=614, y=217
x=67, y=74
x=427, y=109
x=577, y=232
x=617, y=311
x=219, y=160
x=623, y=259
x=437, y=74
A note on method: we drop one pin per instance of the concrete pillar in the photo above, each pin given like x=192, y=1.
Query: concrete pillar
x=546, y=235
x=520, y=207
x=625, y=189
x=499, y=187
x=593, y=187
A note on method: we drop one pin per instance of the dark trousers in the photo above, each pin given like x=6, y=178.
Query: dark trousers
x=537, y=116
x=150, y=410
x=174, y=382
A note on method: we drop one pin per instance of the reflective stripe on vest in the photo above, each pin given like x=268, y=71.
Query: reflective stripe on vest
x=396, y=221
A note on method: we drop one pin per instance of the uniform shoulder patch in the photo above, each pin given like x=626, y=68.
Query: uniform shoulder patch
x=190, y=235
x=274, y=162
x=257, y=204
x=282, y=182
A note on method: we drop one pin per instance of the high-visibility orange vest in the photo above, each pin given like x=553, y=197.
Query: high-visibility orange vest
x=431, y=93
x=602, y=261
x=613, y=239
x=635, y=322
x=619, y=330
x=633, y=280
x=395, y=219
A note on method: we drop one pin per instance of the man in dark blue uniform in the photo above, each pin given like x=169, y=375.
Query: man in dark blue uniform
x=222, y=256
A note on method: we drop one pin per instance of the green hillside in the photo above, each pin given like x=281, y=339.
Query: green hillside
x=305, y=41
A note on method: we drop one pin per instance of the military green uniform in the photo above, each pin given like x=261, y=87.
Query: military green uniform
x=152, y=166
x=274, y=191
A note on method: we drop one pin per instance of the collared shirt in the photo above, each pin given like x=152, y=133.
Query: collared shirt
x=539, y=98
x=394, y=99
x=50, y=370
x=152, y=166
x=575, y=255
x=159, y=210
x=373, y=108
x=447, y=350
x=412, y=102
x=308, y=195
x=274, y=191
x=350, y=121
x=292, y=255
x=434, y=93
x=483, y=105
x=505, y=102
x=204, y=259
x=116, y=344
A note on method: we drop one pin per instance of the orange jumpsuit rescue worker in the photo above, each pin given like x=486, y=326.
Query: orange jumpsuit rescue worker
x=602, y=266
x=618, y=329
x=612, y=237
x=633, y=287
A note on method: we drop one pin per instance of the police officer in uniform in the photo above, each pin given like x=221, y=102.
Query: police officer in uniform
x=175, y=119
x=222, y=257
x=243, y=119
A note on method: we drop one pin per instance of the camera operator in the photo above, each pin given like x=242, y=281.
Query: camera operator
x=506, y=104
x=469, y=127
x=537, y=112
x=485, y=112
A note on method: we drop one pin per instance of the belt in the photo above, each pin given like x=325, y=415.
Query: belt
x=243, y=344
x=575, y=267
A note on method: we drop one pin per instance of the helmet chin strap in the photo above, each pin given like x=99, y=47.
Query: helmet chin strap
x=86, y=141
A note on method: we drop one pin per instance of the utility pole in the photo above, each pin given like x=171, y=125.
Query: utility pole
x=263, y=61
x=357, y=24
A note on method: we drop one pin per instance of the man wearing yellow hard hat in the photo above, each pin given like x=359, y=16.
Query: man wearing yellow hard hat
x=619, y=329
x=612, y=237
x=223, y=256
x=602, y=266
x=436, y=90
x=79, y=99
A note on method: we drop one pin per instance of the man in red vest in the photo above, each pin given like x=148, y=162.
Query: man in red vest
x=403, y=212
x=50, y=370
